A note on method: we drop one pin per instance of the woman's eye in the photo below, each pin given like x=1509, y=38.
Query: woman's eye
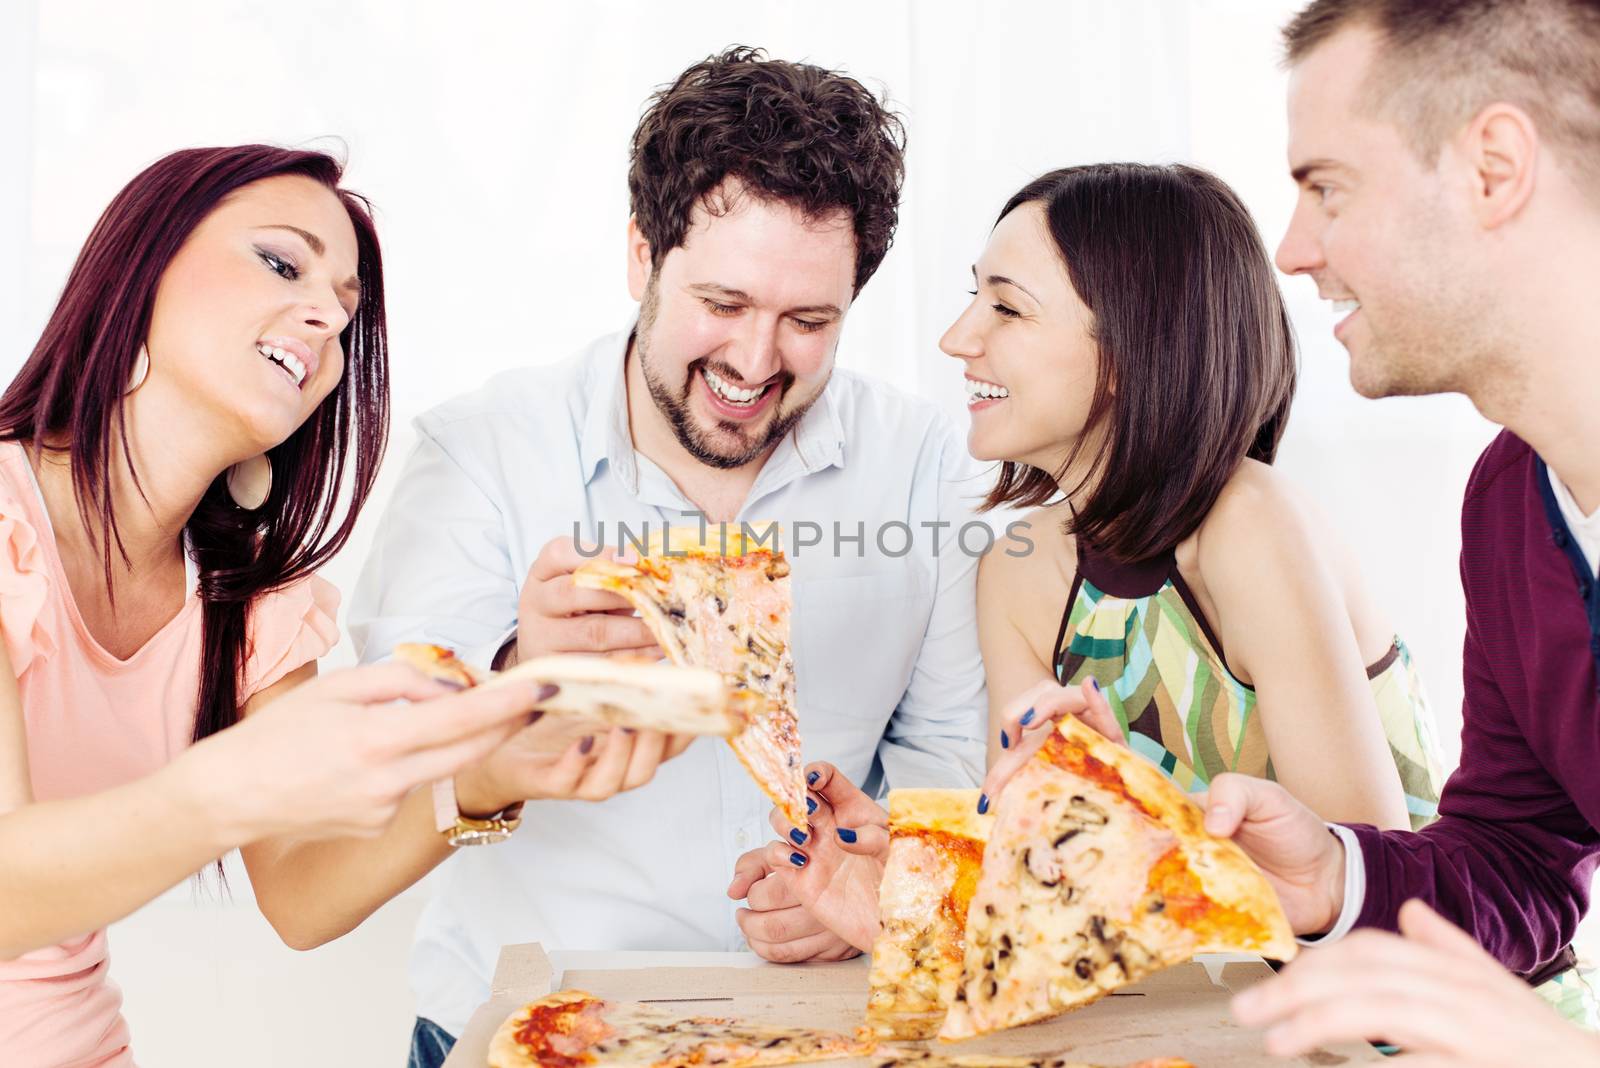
x=1009, y=313
x=278, y=265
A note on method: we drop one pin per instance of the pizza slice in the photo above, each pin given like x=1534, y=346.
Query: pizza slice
x=571, y=1029
x=936, y=840
x=1099, y=871
x=717, y=597
x=608, y=691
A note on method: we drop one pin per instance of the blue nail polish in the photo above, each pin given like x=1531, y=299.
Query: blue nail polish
x=811, y=780
x=983, y=803
x=1005, y=743
x=811, y=804
x=846, y=835
x=797, y=859
x=1027, y=717
x=1095, y=683
x=798, y=837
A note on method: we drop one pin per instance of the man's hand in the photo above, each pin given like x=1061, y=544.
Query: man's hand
x=1430, y=990
x=555, y=616
x=552, y=758
x=775, y=924
x=834, y=864
x=1300, y=857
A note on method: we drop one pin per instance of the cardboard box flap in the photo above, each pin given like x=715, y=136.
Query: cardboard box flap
x=523, y=971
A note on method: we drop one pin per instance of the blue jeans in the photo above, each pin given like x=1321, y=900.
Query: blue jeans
x=430, y=1044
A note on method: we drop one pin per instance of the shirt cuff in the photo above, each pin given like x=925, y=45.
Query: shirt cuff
x=1355, y=889
x=482, y=656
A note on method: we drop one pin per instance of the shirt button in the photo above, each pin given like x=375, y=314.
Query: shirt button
x=1583, y=590
x=1560, y=538
x=741, y=839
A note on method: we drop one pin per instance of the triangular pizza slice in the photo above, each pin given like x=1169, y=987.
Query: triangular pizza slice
x=936, y=840
x=718, y=597
x=1099, y=871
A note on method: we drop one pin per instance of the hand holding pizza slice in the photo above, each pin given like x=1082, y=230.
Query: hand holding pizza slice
x=1099, y=871
x=718, y=598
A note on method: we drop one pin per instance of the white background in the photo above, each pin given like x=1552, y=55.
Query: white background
x=492, y=138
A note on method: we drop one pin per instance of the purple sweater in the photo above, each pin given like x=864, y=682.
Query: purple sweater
x=1512, y=855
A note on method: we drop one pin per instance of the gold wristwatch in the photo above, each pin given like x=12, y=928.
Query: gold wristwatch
x=459, y=830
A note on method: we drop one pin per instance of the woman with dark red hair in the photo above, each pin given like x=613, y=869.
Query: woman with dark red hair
x=172, y=473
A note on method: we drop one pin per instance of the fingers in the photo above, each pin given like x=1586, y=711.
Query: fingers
x=443, y=720
x=677, y=743
x=851, y=806
x=1011, y=762
x=561, y=779
x=596, y=632
x=772, y=894
x=747, y=871
x=824, y=945
x=778, y=925
x=785, y=855
x=1233, y=799
x=649, y=750
x=865, y=841
x=604, y=777
x=377, y=684
x=1097, y=711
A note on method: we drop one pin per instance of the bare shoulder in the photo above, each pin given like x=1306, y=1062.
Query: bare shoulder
x=1262, y=518
x=1035, y=550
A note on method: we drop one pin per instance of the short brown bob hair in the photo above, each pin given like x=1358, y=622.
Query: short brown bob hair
x=790, y=132
x=1196, y=355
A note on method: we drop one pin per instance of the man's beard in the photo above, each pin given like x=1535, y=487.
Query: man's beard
x=707, y=447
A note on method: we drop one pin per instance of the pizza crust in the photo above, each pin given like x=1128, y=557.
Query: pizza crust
x=603, y=691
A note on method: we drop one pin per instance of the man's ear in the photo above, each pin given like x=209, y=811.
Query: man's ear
x=638, y=260
x=1502, y=148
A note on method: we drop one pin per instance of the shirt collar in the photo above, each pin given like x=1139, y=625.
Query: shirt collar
x=605, y=427
x=818, y=437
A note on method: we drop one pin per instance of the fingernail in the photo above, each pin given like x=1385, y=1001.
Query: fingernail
x=1027, y=717
x=454, y=684
x=587, y=743
x=535, y=716
x=798, y=837
x=629, y=730
x=547, y=691
x=797, y=859
x=1095, y=683
x=1005, y=742
x=846, y=834
x=811, y=780
x=811, y=805
x=983, y=803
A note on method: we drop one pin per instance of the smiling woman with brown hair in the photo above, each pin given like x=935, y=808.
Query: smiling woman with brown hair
x=173, y=461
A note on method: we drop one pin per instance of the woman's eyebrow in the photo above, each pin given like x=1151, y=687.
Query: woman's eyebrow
x=1002, y=280
x=353, y=284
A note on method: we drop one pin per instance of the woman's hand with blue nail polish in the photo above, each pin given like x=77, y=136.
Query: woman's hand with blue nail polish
x=1030, y=718
x=842, y=851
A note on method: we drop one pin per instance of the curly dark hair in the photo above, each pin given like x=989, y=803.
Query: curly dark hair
x=792, y=132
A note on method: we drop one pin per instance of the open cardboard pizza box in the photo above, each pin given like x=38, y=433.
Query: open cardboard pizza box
x=1181, y=1012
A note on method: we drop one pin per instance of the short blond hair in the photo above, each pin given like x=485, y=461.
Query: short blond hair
x=1444, y=61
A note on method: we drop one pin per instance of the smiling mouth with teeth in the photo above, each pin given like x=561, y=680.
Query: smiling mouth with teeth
x=287, y=360
x=978, y=392
x=731, y=394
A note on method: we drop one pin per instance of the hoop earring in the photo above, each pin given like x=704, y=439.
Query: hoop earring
x=141, y=370
x=250, y=481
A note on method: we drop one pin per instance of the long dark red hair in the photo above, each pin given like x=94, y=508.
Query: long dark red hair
x=72, y=389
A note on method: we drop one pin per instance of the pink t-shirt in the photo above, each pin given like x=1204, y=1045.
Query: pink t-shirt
x=94, y=722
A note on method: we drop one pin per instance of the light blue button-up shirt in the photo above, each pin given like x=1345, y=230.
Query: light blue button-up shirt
x=884, y=636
